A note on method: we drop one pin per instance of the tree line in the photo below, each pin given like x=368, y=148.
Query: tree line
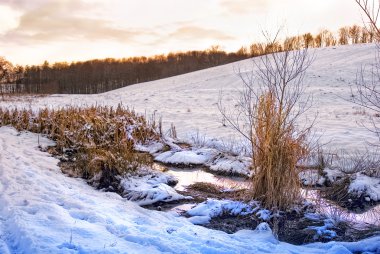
x=101, y=75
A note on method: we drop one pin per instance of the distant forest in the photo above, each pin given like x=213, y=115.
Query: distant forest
x=101, y=75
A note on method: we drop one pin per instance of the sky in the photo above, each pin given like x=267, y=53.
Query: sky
x=32, y=31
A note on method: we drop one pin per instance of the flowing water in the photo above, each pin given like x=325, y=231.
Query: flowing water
x=187, y=176
x=336, y=212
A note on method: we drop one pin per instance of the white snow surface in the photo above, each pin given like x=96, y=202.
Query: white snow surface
x=189, y=101
x=325, y=230
x=188, y=157
x=149, y=188
x=205, y=211
x=44, y=211
x=365, y=185
x=151, y=148
x=311, y=177
x=333, y=175
x=264, y=214
x=231, y=165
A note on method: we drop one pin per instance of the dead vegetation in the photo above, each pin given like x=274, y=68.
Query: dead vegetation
x=276, y=154
x=95, y=139
x=267, y=114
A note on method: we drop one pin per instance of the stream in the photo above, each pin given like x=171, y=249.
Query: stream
x=187, y=176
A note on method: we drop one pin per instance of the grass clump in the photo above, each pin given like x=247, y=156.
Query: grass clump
x=101, y=139
x=277, y=149
x=205, y=187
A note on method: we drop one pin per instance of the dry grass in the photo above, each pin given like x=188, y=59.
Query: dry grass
x=102, y=138
x=277, y=149
x=205, y=187
x=338, y=191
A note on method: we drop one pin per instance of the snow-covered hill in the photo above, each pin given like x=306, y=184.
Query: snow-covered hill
x=190, y=100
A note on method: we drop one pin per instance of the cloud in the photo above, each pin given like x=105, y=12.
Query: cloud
x=195, y=32
x=21, y=5
x=63, y=20
x=244, y=6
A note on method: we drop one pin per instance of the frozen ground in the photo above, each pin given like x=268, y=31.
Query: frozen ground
x=190, y=101
x=43, y=211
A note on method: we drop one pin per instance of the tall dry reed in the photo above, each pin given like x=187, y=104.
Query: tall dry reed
x=277, y=149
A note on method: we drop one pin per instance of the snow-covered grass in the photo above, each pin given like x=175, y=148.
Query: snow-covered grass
x=324, y=231
x=366, y=186
x=101, y=138
x=149, y=187
x=311, y=177
x=187, y=157
x=43, y=211
x=204, y=212
x=231, y=165
x=216, y=161
x=344, y=186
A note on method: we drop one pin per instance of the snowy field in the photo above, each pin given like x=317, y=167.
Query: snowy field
x=44, y=211
x=189, y=101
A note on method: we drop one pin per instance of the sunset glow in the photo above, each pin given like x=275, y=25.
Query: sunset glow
x=70, y=30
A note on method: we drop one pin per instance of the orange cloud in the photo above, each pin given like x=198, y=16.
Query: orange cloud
x=195, y=32
x=57, y=21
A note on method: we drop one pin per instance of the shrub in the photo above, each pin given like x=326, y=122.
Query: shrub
x=277, y=149
x=267, y=114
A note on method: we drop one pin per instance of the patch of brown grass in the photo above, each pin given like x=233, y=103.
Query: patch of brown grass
x=205, y=187
x=102, y=138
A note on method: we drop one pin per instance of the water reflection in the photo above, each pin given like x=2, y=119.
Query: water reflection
x=187, y=176
x=336, y=212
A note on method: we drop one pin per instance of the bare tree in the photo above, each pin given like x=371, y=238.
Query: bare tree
x=371, y=10
x=367, y=92
x=6, y=74
x=307, y=40
x=5, y=70
x=343, y=35
x=267, y=114
x=354, y=32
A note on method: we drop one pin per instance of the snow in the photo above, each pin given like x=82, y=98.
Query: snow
x=44, y=211
x=311, y=178
x=325, y=230
x=370, y=245
x=264, y=214
x=216, y=161
x=205, y=211
x=189, y=101
x=187, y=157
x=365, y=185
x=150, y=188
x=231, y=165
x=333, y=175
x=313, y=216
x=151, y=148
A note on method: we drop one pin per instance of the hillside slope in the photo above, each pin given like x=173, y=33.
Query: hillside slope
x=190, y=100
